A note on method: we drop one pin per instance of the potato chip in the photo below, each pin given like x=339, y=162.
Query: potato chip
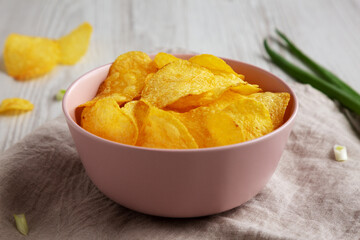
x=226, y=99
x=195, y=119
x=228, y=79
x=241, y=121
x=105, y=119
x=15, y=105
x=139, y=110
x=75, y=44
x=214, y=64
x=161, y=59
x=135, y=64
x=126, y=77
x=148, y=77
x=159, y=128
x=223, y=81
x=183, y=79
x=193, y=101
x=28, y=57
x=241, y=87
x=276, y=103
x=246, y=88
x=176, y=80
x=120, y=99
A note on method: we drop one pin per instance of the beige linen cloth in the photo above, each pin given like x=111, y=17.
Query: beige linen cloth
x=310, y=196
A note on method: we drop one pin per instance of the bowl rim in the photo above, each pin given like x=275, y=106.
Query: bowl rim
x=277, y=131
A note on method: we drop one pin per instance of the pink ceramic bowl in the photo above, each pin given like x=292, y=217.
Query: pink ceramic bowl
x=179, y=183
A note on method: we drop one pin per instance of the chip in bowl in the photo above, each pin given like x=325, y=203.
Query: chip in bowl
x=243, y=120
x=159, y=128
x=161, y=59
x=172, y=103
x=107, y=120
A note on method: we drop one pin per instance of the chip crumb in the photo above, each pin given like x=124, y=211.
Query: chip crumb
x=340, y=153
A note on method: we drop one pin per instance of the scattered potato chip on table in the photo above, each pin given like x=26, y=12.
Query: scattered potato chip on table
x=15, y=105
x=27, y=57
x=180, y=104
x=75, y=44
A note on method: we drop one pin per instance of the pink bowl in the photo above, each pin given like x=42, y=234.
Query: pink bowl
x=179, y=183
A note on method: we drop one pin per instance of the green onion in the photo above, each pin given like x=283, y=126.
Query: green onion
x=59, y=96
x=21, y=223
x=332, y=91
x=316, y=68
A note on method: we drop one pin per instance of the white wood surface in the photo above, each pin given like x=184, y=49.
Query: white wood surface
x=328, y=30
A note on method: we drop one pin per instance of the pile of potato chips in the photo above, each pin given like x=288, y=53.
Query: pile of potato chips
x=28, y=57
x=180, y=104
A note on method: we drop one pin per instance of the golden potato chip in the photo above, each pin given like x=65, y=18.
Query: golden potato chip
x=75, y=44
x=12, y=105
x=276, y=103
x=214, y=64
x=189, y=102
x=176, y=80
x=223, y=81
x=238, y=85
x=159, y=128
x=148, y=77
x=105, y=119
x=241, y=121
x=195, y=119
x=227, y=98
x=139, y=110
x=28, y=57
x=134, y=64
x=126, y=77
x=116, y=96
x=246, y=88
x=183, y=79
x=161, y=59
x=118, y=90
x=241, y=87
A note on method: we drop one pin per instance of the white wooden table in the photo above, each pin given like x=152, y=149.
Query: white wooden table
x=326, y=29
